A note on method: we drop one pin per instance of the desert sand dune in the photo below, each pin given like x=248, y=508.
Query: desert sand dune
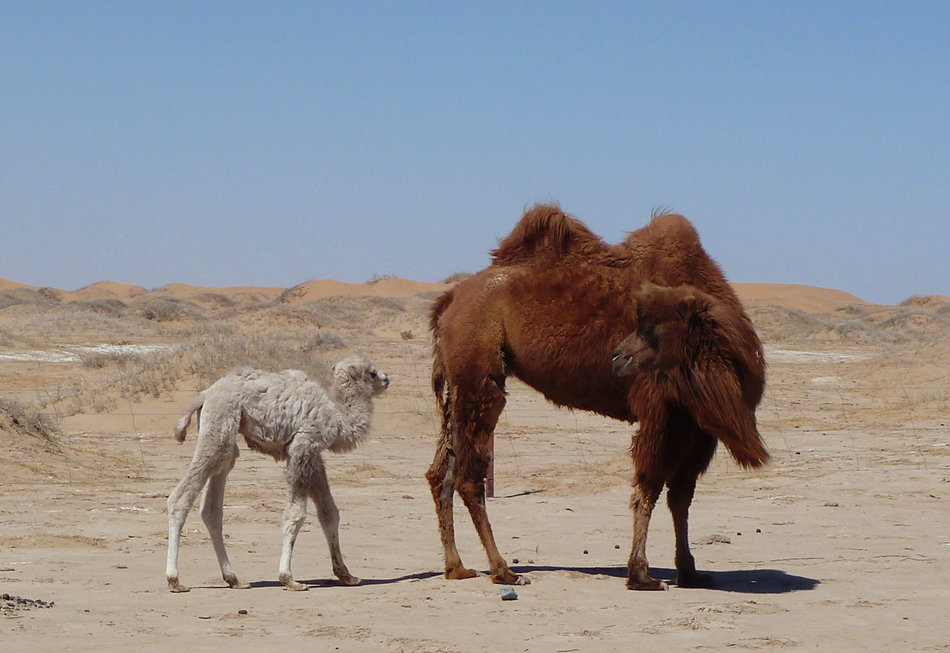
x=841, y=543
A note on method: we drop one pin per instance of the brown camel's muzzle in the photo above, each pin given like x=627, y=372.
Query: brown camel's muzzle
x=632, y=355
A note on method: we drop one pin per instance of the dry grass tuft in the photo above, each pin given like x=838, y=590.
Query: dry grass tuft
x=29, y=421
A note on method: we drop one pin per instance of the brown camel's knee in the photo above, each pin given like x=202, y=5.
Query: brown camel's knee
x=440, y=471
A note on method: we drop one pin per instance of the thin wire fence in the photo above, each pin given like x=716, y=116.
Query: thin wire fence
x=585, y=440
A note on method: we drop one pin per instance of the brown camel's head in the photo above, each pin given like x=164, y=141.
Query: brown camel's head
x=703, y=355
x=672, y=323
x=686, y=328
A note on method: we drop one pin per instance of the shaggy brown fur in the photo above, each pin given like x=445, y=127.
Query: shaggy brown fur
x=692, y=347
x=551, y=309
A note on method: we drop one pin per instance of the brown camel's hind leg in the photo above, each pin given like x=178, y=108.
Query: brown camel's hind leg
x=475, y=421
x=679, y=496
x=441, y=477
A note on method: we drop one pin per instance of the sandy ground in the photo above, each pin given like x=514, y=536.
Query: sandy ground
x=842, y=543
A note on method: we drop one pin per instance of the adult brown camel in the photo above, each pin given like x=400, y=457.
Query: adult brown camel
x=551, y=309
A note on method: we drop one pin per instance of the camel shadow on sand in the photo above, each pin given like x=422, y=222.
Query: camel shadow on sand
x=752, y=581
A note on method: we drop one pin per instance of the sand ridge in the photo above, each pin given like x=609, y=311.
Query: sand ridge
x=810, y=299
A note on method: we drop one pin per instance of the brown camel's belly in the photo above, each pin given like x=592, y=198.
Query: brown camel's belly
x=559, y=338
x=583, y=389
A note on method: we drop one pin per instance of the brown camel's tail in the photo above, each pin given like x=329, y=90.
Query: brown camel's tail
x=191, y=409
x=438, y=362
x=728, y=381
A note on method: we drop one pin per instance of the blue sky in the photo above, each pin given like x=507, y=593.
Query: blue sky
x=245, y=143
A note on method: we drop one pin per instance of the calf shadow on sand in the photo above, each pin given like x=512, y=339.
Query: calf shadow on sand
x=752, y=581
x=332, y=582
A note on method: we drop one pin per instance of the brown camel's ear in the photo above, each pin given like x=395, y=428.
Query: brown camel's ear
x=687, y=307
x=645, y=292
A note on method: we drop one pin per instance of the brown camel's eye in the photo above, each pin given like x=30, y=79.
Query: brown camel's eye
x=652, y=336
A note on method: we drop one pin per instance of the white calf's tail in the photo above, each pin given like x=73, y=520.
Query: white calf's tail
x=190, y=409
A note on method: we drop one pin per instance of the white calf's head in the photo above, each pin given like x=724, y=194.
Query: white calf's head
x=357, y=374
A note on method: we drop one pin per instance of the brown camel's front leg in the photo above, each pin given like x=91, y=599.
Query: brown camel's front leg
x=678, y=499
x=679, y=496
x=473, y=494
x=645, y=494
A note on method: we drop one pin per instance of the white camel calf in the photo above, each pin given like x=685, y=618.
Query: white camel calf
x=290, y=417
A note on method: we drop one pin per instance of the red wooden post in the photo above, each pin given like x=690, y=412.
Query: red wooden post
x=490, y=478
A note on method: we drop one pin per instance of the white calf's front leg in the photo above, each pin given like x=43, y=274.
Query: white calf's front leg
x=329, y=516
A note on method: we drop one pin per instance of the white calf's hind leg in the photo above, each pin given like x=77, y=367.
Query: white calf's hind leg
x=212, y=513
x=180, y=501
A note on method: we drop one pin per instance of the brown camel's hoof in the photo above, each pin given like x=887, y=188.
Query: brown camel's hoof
x=510, y=578
x=460, y=573
x=647, y=584
x=694, y=579
x=347, y=579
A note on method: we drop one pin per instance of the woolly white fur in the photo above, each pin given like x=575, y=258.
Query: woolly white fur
x=286, y=415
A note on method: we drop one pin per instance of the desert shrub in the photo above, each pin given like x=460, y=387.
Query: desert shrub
x=854, y=331
x=356, y=312
x=214, y=300
x=910, y=322
x=8, y=339
x=777, y=323
x=134, y=375
x=291, y=294
x=14, y=296
x=110, y=307
x=166, y=309
x=294, y=316
x=322, y=341
x=210, y=358
x=780, y=324
x=96, y=359
x=51, y=294
x=916, y=300
x=190, y=330
x=101, y=357
x=852, y=310
x=390, y=305
x=30, y=421
x=76, y=319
